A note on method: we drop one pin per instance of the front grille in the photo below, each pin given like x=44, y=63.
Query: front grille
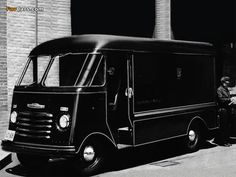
x=36, y=126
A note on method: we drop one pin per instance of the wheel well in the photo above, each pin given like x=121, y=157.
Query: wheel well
x=198, y=121
x=100, y=138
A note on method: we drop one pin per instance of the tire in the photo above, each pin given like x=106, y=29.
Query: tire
x=194, y=137
x=92, y=158
x=32, y=161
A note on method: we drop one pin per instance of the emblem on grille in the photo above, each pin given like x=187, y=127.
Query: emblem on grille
x=35, y=106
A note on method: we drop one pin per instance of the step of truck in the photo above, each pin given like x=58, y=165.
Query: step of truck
x=123, y=129
x=125, y=135
x=123, y=146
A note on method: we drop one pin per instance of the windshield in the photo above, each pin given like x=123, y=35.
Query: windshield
x=81, y=70
x=34, y=70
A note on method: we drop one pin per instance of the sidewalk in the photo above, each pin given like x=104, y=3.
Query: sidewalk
x=5, y=157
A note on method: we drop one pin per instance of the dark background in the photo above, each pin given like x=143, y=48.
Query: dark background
x=199, y=20
x=203, y=20
x=120, y=17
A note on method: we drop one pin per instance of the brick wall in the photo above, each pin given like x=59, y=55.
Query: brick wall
x=21, y=38
x=55, y=21
x=19, y=33
x=3, y=56
x=3, y=67
x=27, y=29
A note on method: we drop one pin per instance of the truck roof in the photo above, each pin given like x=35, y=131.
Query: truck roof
x=98, y=42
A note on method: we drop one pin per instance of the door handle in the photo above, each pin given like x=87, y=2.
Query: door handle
x=129, y=92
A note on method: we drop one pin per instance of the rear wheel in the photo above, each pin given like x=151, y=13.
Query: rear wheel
x=32, y=161
x=193, y=140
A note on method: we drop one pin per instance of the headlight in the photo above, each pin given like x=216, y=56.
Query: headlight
x=64, y=121
x=13, y=117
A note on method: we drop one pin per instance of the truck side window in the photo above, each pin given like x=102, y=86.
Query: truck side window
x=113, y=85
x=99, y=75
x=115, y=77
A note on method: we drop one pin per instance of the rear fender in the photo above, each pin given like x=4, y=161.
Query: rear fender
x=197, y=120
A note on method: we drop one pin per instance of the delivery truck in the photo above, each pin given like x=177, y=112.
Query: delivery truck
x=85, y=97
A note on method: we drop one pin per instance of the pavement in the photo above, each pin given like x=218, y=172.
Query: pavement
x=210, y=161
x=5, y=157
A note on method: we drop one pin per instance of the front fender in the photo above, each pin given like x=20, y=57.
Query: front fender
x=97, y=137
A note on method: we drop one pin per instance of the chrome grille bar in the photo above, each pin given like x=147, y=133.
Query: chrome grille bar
x=33, y=131
x=33, y=136
x=34, y=125
x=34, y=120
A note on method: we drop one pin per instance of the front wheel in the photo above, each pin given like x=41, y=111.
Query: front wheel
x=193, y=140
x=32, y=161
x=92, y=158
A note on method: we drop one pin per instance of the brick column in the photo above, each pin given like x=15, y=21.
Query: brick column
x=3, y=68
x=3, y=56
x=163, y=19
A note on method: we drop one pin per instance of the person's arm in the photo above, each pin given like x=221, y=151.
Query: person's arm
x=223, y=98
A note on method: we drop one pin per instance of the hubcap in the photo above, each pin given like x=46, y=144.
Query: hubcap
x=89, y=153
x=192, y=135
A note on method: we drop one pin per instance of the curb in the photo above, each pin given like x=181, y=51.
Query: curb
x=232, y=139
x=5, y=158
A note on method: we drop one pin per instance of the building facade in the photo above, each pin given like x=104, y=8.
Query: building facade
x=23, y=25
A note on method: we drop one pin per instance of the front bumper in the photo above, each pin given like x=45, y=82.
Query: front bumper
x=38, y=149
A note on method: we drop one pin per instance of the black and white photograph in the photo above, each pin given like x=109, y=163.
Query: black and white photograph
x=117, y=88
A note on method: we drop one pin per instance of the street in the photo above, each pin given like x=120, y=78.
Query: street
x=159, y=160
